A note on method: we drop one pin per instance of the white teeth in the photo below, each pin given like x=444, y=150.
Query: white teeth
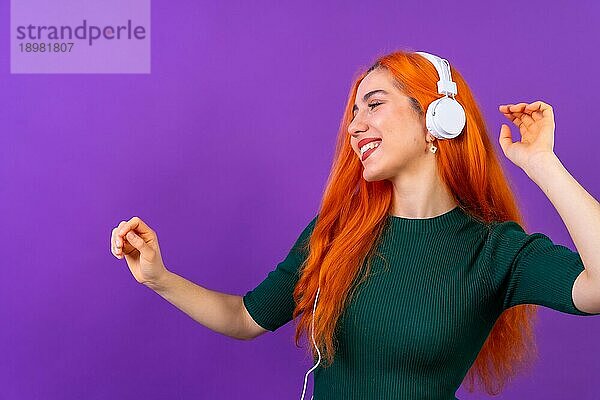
x=368, y=146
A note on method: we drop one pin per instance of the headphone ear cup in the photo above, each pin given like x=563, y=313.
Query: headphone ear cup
x=429, y=122
x=446, y=118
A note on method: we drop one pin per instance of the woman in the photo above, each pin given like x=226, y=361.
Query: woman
x=416, y=271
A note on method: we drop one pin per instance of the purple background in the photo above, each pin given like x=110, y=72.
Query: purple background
x=224, y=150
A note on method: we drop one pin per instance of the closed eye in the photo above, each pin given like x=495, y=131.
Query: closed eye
x=371, y=106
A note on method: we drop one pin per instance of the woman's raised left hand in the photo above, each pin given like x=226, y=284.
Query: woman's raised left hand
x=536, y=125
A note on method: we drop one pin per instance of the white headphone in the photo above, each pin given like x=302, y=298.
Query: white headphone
x=445, y=118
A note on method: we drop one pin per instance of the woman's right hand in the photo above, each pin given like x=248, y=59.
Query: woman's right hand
x=135, y=241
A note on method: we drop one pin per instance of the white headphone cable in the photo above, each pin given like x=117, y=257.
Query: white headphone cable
x=313, y=339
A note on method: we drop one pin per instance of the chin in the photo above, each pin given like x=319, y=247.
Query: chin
x=373, y=176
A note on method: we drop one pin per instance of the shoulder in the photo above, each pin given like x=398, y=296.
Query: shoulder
x=307, y=232
x=302, y=242
x=505, y=228
x=502, y=231
x=507, y=241
x=512, y=235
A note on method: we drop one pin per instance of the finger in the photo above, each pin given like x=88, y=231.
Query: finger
x=139, y=226
x=136, y=242
x=544, y=108
x=537, y=105
x=504, y=108
x=510, y=116
x=517, y=107
x=505, y=138
x=119, y=240
x=536, y=115
x=527, y=120
x=121, y=247
x=523, y=119
x=127, y=248
x=113, y=245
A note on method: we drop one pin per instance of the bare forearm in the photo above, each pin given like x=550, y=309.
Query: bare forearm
x=220, y=312
x=578, y=209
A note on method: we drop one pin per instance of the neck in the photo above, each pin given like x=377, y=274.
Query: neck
x=421, y=193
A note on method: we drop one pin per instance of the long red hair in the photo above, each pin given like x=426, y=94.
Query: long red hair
x=353, y=212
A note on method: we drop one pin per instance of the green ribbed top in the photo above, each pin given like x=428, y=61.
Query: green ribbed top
x=416, y=325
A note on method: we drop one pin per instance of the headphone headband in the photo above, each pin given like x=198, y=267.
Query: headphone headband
x=445, y=85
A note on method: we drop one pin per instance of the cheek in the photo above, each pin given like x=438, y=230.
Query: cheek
x=401, y=142
x=402, y=132
x=391, y=120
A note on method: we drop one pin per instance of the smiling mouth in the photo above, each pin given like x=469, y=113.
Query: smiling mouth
x=367, y=153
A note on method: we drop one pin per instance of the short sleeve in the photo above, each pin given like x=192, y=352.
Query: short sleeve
x=271, y=304
x=531, y=269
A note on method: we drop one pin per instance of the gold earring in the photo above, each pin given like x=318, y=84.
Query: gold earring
x=432, y=148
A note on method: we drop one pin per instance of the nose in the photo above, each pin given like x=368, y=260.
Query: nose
x=357, y=125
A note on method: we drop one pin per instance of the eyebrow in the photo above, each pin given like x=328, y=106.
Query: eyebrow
x=366, y=97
